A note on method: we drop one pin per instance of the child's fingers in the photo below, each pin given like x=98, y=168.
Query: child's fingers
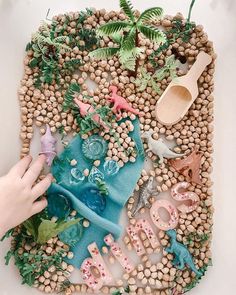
x=40, y=188
x=33, y=172
x=38, y=206
x=20, y=168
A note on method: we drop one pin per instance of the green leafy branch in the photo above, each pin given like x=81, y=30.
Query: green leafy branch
x=179, y=30
x=196, y=280
x=102, y=187
x=47, y=229
x=145, y=78
x=127, y=47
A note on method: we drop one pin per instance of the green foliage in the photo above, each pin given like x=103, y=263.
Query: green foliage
x=102, y=187
x=196, y=280
x=179, y=30
x=69, y=97
x=34, y=264
x=89, y=39
x=128, y=45
x=49, y=229
x=146, y=79
x=87, y=123
x=7, y=235
x=195, y=237
x=169, y=69
x=71, y=65
x=47, y=47
x=31, y=266
x=103, y=53
x=119, y=292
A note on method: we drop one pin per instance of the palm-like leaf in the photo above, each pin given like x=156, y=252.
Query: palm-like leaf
x=150, y=14
x=153, y=34
x=128, y=57
x=129, y=40
x=103, y=53
x=128, y=9
x=112, y=28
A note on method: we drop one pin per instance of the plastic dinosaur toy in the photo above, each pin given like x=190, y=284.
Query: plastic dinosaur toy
x=120, y=103
x=86, y=108
x=145, y=193
x=189, y=166
x=181, y=253
x=48, y=146
x=159, y=148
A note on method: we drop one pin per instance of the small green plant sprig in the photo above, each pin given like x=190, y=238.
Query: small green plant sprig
x=102, y=187
x=179, y=30
x=86, y=124
x=196, y=280
x=146, y=78
x=47, y=46
x=195, y=237
x=45, y=229
x=128, y=49
x=119, y=292
x=83, y=38
x=34, y=264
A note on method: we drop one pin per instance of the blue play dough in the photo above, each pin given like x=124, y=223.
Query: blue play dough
x=120, y=187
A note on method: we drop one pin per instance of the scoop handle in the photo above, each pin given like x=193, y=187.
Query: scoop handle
x=203, y=60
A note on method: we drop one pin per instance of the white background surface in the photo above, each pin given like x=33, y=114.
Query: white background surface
x=19, y=18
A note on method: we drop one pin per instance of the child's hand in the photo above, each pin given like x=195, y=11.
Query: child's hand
x=18, y=194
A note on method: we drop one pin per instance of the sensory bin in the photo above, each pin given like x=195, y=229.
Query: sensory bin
x=93, y=81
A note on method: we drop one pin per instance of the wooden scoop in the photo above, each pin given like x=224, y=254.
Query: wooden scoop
x=181, y=93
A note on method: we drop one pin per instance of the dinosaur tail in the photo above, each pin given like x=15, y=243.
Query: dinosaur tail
x=134, y=111
x=198, y=273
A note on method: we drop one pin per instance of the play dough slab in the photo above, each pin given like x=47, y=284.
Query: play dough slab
x=130, y=210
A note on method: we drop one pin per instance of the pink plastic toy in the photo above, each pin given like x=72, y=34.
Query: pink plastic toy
x=120, y=103
x=133, y=232
x=86, y=108
x=179, y=195
x=156, y=218
x=48, y=146
x=125, y=262
x=97, y=262
x=189, y=166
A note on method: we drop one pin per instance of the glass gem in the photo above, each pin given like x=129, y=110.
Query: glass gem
x=72, y=235
x=76, y=175
x=93, y=199
x=58, y=205
x=111, y=167
x=94, y=147
x=95, y=175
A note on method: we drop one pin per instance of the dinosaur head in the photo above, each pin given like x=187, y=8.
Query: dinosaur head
x=147, y=134
x=171, y=233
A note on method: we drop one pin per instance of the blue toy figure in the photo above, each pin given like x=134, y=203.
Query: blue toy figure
x=103, y=212
x=181, y=253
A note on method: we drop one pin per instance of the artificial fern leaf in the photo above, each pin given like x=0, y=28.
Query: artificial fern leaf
x=118, y=38
x=104, y=53
x=112, y=28
x=128, y=9
x=129, y=40
x=152, y=33
x=150, y=15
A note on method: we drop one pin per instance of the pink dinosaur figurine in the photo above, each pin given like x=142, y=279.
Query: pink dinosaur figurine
x=120, y=103
x=48, y=146
x=86, y=109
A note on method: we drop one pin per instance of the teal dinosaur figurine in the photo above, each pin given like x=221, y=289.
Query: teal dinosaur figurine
x=181, y=253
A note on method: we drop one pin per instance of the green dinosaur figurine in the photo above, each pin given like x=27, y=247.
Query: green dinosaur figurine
x=182, y=254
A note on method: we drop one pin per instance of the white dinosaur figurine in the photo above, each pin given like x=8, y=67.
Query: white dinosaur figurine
x=159, y=148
